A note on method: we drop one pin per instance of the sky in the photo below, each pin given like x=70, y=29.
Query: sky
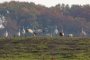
x=50, y=3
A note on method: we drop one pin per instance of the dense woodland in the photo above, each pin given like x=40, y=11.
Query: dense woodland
x=29, y=15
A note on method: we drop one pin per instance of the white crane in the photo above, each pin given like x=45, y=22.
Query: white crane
x=83, y=33
x=23, y=31
x=56, y=31
x=8, y=12
x=19, y=34
x=6, y=34
x=31, y=31
x=2, y=22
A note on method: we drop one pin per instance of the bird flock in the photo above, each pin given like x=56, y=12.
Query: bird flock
x=36, y=32
x=32, y=32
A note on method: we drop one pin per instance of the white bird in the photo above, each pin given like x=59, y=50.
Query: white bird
x=19, y=34
x=30, y=31
x=56, y=31
x=83, y=32
x=23, y=31
x=2, y=22
x=6, y=34
x=8, y=12
x=2, y=26
x=70, y=35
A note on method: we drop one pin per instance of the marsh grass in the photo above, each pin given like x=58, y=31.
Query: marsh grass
x=44, y=48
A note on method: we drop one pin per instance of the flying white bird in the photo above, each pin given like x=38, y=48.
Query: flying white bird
x=30, y=31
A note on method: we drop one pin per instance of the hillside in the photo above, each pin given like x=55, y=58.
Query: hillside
x=30, y=15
